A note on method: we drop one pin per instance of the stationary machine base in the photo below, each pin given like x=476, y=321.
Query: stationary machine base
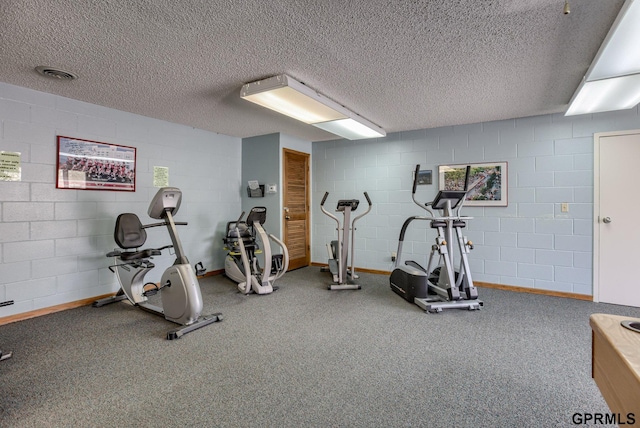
x=344, y=287
x=202, y=322
x=435, y=305
x=177, y=333
x=108, y=300
x=412, y=284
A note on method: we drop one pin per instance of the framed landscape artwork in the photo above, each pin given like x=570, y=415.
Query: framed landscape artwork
x=487, y=182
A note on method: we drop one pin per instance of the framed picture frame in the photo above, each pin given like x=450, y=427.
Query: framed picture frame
x=487, y=182
x=425, y=177
x=92, y=165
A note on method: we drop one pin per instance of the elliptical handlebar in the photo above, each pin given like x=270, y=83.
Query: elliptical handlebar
x=324, y=198
x=353, y=231
x=466, y=188
x=415, y=179
x=366, y=195
x=413, y=192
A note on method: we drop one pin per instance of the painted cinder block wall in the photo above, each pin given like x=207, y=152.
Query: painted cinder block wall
x=530, y=243
x=53, y=241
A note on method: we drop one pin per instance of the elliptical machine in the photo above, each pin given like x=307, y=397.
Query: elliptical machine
x=444, y=286
x=241, y=264
x=339, y=249
x=179, y=288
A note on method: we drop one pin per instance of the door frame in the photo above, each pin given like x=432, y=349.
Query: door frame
x=596, y=205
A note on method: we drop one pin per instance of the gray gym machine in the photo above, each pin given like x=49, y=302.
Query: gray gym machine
x=6, y=354
x=242, y=265
x=445, y=286
x=338, y=250
x=179, y=288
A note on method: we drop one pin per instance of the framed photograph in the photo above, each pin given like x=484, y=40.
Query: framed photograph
x=425, y=177
x=487, y=182
x=91, y=165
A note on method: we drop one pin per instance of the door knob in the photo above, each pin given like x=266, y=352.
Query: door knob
x=606, y=220
x=287, y=217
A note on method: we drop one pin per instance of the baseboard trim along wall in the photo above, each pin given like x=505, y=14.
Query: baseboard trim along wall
x=72, y=305
x=86, y=302
x=491, y=285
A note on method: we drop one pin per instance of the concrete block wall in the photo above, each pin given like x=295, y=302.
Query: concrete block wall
x=530, y=243
x=53, y=241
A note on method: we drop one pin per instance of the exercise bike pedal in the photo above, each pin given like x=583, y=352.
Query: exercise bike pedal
x=200, y=269
x=152, y=291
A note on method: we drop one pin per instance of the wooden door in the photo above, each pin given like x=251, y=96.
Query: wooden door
x=296, y=208
x=616, y=208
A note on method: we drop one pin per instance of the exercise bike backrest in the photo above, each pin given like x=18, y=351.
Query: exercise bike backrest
x=239, y=229
x=257, y=215
x=129, y=233
x=245, y=230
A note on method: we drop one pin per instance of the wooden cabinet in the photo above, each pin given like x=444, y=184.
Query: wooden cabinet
x=616, y=362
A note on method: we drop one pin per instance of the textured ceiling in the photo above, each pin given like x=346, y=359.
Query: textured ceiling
x=402, y=64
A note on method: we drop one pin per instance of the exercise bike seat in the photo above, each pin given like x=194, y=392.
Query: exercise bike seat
x=127, y=256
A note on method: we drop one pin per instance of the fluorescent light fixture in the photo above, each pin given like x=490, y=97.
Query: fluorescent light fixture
x=350, y=129
x=294, y=99
x=606, y=95
x=612, y=81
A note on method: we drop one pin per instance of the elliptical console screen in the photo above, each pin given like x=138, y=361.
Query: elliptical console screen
x=455, y=196
x=343, y=203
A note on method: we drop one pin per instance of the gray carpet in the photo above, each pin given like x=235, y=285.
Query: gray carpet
x=307, y=357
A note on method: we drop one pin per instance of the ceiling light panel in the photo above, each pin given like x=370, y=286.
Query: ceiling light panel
x=617, y=93
x=612, y=82
x=619, y=53
x=294, y=99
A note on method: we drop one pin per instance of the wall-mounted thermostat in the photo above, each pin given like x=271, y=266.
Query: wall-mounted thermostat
x=272, y=188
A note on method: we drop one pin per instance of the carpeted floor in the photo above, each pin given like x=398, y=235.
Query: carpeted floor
x=307, y=357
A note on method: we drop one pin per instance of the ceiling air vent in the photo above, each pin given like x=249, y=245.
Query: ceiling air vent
x=55, y=73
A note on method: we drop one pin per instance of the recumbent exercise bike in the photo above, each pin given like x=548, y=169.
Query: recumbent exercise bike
x=179, y=288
